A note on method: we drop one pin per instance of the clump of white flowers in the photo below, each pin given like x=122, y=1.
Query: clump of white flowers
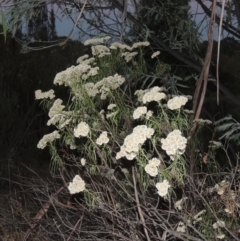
x=153, y=94
x=141, y=110
x=120, y=46
x=155, y=54
x=97, y=40
x=162, y=188
x=178, y=204
x=177, y=102
x=152, y=167
x=107, y=84
x=83, y=161
x=132, y=142
x=58, y=115
x=111, y=106
x=82, y=129
x=74, y=74
x=77, y=185
x=102, y=139
x=140, y=44
x=48, y=139
x=44, y=95
x=221, y=187
x=219, y=224
x=174, y=144
x=100, y=49
x=181, y=227
x=129, y=55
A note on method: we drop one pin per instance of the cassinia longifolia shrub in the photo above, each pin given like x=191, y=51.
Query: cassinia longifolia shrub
x=103, y=123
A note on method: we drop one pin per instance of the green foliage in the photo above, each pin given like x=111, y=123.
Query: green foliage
x=230, y=129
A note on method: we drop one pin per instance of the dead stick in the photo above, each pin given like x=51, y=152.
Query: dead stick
x=138, y=205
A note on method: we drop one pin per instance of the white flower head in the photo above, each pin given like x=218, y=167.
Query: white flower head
x=152, y=170
x=140, y=44
x=181, y=227
x=155, y=54
x=82, y=58
x=82, y=129
x=177, y=102
x=149, y=114
x=221, y=236
x=97, y=40
x=153, y=94
x=129, y=55
x=77, y=185
x=111, y=106
x=47, y=139
x=83, y=161
x=100, y=49
x=174, y=144
x=154, y=162
x=141, y=110
x=44, y=95
x=162, y=188
x=219, y=224
x=120, y=46
x=178, y=204
x=102, y=139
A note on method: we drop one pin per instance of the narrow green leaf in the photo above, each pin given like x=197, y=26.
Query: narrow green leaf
x=4, y=26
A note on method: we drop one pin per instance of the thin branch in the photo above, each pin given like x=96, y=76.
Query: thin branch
x=138, y=205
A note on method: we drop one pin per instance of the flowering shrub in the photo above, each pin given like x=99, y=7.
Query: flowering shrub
x=108, y=130
x=93, y=85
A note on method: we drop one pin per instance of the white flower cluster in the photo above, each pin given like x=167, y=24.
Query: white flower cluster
x=77, y=185
x=90, y=89
x=82, y=58
x=221, y=187
x=181, y=227
x=155, y=54
x=218, y=224
x=178, y=204
x=57, y=115
x=152, y=167
x=153, y=94
x=109, y=83
x=176, y=102
x=102, y=139
x=103, y=86
x=100, y=50
x=162, y=188
x=132, y=142
x=85, y=60
x=120, y=46
x=129, y=55
x=83, y=161
x=47, y=139
x=140, y=44
x=72, y=74
x=174, y=144
x=110, y=108
x=97, y=40
x=82, y=129
x=141, y=110
x=44, y=95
